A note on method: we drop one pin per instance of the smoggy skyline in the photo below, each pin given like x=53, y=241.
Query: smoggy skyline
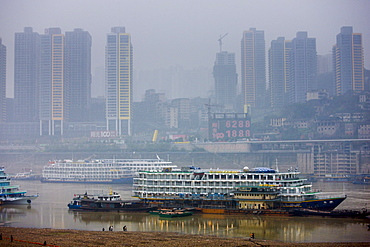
x=185, y=33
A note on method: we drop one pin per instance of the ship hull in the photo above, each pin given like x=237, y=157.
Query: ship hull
x=318, y=204
x=25, y=200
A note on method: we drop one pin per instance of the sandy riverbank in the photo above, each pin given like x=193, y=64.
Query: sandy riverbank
x=60, y=237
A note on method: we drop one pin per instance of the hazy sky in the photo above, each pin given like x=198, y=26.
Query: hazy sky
x=184, y=32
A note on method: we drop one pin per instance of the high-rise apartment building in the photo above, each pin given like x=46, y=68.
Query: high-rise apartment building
x=119, y=75
x=303, y=67
x=278, y=71
x=348, y=62
x=65, y=79
x=78, y=72
x=324, y=63
x=2, y=82
x=26, y=75
x=253, y=68
x=53, y=83
x=183, y=111
x=226, y=79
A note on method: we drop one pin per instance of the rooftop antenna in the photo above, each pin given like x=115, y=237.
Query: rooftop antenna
x=220, y=41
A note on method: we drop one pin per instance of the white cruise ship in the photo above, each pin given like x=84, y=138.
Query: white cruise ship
x=247, y=189
x=100, y=170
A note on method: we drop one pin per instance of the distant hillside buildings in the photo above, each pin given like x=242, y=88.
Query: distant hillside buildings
x=52, y=84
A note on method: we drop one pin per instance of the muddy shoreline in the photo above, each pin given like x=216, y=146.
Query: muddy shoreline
x=65, y=237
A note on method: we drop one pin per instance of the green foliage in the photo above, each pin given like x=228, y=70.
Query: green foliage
x=299, y=111
x=343, y=103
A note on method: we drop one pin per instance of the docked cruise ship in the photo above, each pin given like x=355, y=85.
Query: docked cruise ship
x=11, y=194
x=247, y=189
x=100, y=171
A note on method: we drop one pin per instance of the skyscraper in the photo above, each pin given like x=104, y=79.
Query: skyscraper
x=226, y=79
x=324, y=63
x=78, y=72
x=119, y=73
x=348, y=62
x=26, y=75
x=2, y=82
x=277, y=56
x=303, y=67
x=253, y=68
x=53, y=83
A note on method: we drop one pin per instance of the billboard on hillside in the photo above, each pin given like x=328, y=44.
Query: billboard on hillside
x=229, y=126
x=103, y=133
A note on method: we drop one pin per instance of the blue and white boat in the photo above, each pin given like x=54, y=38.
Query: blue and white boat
x=10, y=194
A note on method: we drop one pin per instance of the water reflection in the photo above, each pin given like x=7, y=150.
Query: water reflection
x=289, y=229
x=16, y=213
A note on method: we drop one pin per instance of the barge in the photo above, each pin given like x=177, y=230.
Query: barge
x=107, y=202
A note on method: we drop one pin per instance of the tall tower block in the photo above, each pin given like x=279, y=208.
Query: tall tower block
x=253, y=70
x=118, y=78
x=348, y=62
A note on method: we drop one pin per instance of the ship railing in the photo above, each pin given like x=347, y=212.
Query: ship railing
x=330, y=195
x=190, y=197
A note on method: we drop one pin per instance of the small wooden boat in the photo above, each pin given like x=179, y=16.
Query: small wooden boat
x=158, y=211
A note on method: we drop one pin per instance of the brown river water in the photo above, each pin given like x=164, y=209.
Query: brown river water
x=50, y=211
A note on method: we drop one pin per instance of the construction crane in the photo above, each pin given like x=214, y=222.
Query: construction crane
x=209, y=106
x=220, y=41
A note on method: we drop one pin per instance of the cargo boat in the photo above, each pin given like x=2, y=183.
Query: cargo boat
x=100, y=171
x=107, y=202
x=257, y=190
